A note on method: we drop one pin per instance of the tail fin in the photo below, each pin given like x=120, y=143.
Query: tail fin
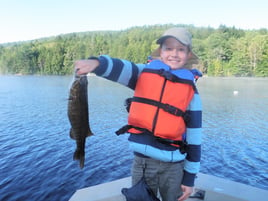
x=79, y=155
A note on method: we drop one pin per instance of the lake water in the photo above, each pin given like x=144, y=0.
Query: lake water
x=36, y=151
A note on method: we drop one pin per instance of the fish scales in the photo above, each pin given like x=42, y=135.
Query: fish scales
x=79, y=117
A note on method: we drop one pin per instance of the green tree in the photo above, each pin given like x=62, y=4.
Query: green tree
x=225, y=51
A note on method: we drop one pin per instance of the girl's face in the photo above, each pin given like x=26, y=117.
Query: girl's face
x=174, y=53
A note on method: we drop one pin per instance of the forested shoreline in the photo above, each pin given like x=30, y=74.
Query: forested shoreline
x=225, y=51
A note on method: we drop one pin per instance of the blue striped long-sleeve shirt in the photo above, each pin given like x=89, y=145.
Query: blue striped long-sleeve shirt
x=127, y=73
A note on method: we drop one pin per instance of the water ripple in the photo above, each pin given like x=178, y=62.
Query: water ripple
x=36, y=151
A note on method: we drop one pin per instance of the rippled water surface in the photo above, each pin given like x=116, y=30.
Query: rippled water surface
x=36, y=151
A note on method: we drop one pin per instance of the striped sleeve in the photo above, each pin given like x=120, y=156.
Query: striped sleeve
x=193, y=136
x=119, y=70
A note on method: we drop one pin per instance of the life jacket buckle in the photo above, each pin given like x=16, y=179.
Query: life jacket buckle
x=182, y=145
x=173, y=110
x=186, y=116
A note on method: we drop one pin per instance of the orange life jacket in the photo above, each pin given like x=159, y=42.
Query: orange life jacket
x=159, y=104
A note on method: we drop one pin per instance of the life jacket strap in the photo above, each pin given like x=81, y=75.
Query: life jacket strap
x=125, y=129
x=166, y=107
x=169, y=76
x=178, y=143
x=182, y=145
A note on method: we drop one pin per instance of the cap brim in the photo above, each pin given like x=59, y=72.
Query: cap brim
x=163, y=38
x=193, y=60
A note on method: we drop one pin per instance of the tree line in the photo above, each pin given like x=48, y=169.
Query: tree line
x=223, y=51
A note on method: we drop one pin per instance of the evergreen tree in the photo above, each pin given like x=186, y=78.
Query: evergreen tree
x=225, y=51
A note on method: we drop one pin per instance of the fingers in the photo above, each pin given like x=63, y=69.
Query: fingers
x=187, y=191
x=184, y=197
x=78, y=71
x=85, y=66
x=81, y=67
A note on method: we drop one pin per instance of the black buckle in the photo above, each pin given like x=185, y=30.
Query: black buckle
x=186, y=116
x=183, y=147
x=182, y=144
x=173, y=110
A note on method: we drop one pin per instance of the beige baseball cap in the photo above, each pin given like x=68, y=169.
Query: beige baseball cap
x=183, y=36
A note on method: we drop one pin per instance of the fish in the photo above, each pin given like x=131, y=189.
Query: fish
x=79, y=116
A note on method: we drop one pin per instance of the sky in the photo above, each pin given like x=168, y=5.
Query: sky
x=22, y=20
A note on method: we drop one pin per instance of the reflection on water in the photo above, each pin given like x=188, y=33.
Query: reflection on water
x=36, y=151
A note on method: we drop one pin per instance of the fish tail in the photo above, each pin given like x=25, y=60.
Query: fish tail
x=79, y=155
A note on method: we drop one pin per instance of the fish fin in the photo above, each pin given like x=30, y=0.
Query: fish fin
x=89, y=133
x=79, y=155
x=72, y=135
